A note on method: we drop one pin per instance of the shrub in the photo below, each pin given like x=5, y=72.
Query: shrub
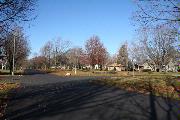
x=106, y=69
x=146, y=70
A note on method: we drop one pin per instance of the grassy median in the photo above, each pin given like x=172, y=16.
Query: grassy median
x=159, y=85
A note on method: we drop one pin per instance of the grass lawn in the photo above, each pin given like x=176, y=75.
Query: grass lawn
x=109, y=73
x=5, y=88
x=159, y=84
x=89, y=73
x=6, y=72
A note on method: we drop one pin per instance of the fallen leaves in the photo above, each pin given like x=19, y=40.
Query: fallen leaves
x=5, y=88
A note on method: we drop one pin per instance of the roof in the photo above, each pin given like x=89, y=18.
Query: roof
x=114, y=65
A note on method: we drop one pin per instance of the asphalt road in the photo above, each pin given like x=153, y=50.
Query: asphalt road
x=49, y=97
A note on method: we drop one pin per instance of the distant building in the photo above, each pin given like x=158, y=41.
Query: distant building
x=171, y=67
x=3, y=60
x=96, y=67
x=116, y=67
x=148, y=66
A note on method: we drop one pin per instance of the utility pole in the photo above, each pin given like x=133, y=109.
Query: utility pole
x=75, y=70
x=14, y=40
x=133, y=67
x=56, y=57
x=76, y=66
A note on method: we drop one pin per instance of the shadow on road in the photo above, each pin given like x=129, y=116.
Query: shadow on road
x=82, y=100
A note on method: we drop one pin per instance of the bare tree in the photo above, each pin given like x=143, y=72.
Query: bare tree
x=37, y=62
x=159, y=45
x=60, y=47
x=137, y=53
x=96, y=51
x=46, y=51
x=111, y=59
x=153, y=12
x=84, y=58
x=54, y=51
x=13, y=12
x=74, y=55
x=123, y=55
x=22, y=48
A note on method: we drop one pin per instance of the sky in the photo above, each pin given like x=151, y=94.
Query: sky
x=78, y=20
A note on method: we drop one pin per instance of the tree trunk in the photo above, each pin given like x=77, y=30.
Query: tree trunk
x=10, y=66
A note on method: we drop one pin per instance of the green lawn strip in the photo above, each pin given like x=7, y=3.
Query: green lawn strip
x=5, y=89
x=158, y=85
x=7, y=72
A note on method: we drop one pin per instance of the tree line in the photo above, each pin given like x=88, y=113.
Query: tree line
x=58, y=53
x=156, y=46
x=157, y=39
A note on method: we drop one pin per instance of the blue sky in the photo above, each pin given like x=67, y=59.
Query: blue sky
x=78, y=20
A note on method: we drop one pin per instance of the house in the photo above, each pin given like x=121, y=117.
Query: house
x=96, y=67
x=149, y=66
x=115, y=66
x=146, y=66
x=3, y=61
x=138, y=67
x=3, y=64
x=170, y=67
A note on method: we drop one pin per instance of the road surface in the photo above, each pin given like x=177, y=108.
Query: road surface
x=50, y=97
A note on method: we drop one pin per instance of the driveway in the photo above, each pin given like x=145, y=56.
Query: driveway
x=50, y=97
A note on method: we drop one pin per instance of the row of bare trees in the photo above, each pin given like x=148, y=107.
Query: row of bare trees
x=158, y=24
x=58, y=53
x=52, y=54
x=157, y=45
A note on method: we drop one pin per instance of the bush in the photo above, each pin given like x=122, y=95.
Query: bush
x=106, y=69
x=146, y=70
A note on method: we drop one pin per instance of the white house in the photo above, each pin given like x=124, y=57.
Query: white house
x=97, y=67
x=3, y=61
x=147, y=66
x=115, y=66
x=171, y=67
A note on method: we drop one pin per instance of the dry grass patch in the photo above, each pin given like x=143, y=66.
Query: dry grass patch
x=90, y=73
x=5, y=88
x=158, y=85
